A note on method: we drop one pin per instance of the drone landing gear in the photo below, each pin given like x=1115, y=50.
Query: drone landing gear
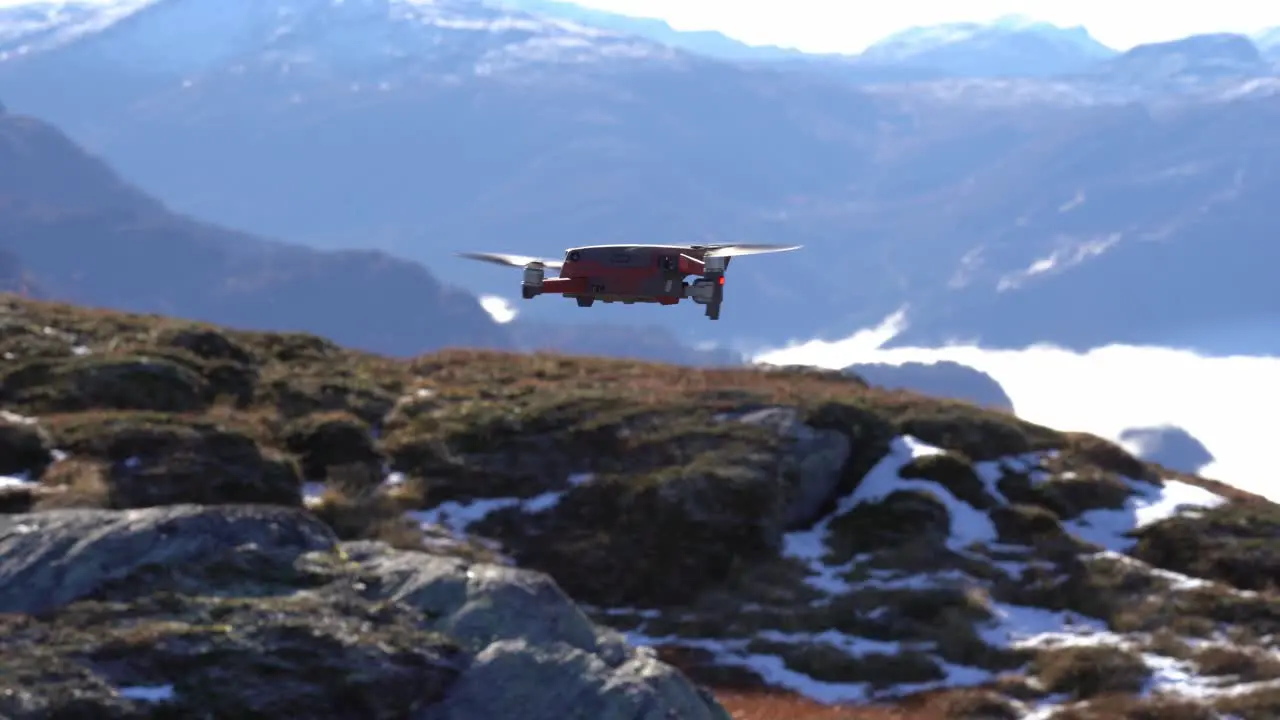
x=713, y=311
x=586, y=301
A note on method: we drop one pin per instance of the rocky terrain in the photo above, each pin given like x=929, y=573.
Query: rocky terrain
x=231, y=521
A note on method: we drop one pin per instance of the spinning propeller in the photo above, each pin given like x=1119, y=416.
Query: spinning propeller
x=745, y=249
x=517, y=261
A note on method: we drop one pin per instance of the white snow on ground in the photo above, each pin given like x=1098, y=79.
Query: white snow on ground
x=1011, y=626
x=152, y=693
x=457, y=517
x=1148, y=504
x=1106, y=528
x=13, y=480
x=311, y=493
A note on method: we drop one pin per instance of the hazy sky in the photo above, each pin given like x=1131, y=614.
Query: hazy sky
x=850, y=25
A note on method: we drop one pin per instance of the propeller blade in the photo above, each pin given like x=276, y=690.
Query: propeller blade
x=517, y=261
x=748, y=249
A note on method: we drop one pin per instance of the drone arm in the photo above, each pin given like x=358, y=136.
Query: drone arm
x=560, y=286
x=690, y=265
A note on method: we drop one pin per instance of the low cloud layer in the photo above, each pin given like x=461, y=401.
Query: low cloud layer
x=1228, y=403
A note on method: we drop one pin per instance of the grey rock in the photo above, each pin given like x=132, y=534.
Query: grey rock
x=560, y=682
x=812, y=462
x=531, y=640
x=481, y=604
x=53, y=558
x=221, y=589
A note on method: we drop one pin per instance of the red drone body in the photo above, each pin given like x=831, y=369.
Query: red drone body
x=633, y=273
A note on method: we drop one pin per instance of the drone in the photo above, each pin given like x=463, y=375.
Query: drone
x=632, y=274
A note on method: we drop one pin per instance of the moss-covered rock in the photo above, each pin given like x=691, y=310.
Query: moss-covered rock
x=1026, y=524
x=827, y=663
x=332, y=439
x=158, y=459
x=1235, y=543
x=24, y=446
x=902, y=517
x=977, y=433
x=954, y=473
x=116, y=382
x=615, y=541
x=205, y=342
x=1094, y=451
x=1069, y=497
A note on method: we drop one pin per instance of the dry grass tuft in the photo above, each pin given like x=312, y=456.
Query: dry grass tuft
x=772, y=705
x=357, y=507
x=75, y=483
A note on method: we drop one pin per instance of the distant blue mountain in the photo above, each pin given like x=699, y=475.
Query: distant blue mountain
x=1007, y=46
x=1191, y=59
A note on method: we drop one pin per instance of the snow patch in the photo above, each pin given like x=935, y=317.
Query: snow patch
x=1146, y=505
x=148, y=693
x=458, y=517
x=969, y=526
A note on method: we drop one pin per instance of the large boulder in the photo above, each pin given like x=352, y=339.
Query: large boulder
x=243, y=611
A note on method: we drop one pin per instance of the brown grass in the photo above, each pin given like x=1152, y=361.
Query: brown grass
x=1123, y=707
x=1088, y=671
x=75, y=483
x=958, y=704
x=772, y=705
x=358, y=508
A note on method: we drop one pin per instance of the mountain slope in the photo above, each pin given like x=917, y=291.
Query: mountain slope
x=88, y=236
x=761, y=529
x=1190, y=59
x=454, y=126
x=1009, y=46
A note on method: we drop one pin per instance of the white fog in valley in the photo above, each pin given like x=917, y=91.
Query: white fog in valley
x=1229, y=403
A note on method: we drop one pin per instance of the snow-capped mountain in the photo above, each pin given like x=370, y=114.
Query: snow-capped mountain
x=389, y=37
x=1268, y=42
x=705, y=42
x=1009, y=46
x=41, y=25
